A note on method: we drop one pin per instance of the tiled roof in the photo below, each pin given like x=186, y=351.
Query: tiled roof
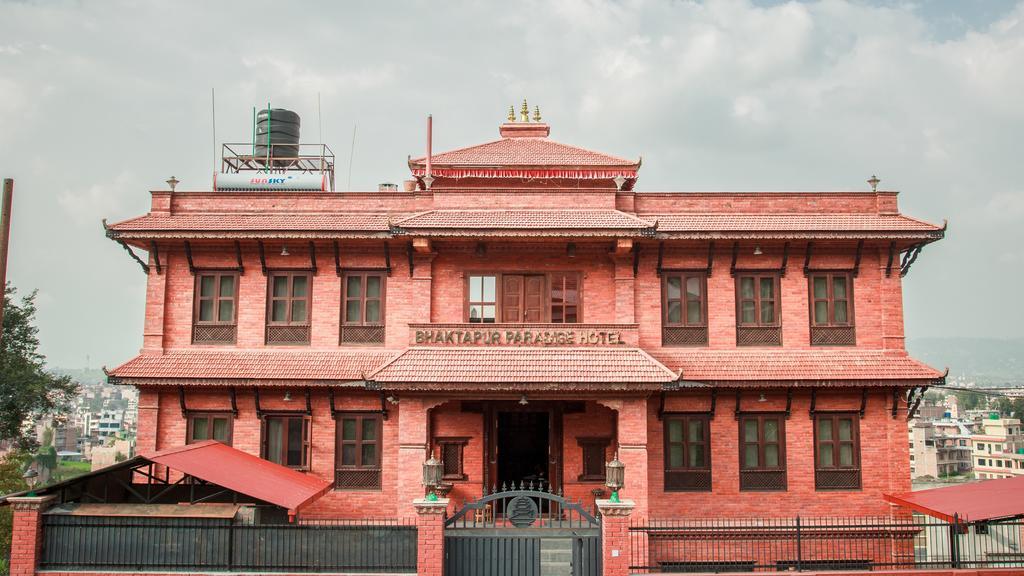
x=728, y=224
x=262, y=223
x=306, y=365
x=523, y=220
x=789, y=366
x=524, y=152
x=522, y=367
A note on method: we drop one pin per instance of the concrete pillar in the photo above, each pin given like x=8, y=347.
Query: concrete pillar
x=615, y=536
x=27, y=532
x=430, y=536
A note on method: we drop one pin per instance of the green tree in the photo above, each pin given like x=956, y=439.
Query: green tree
x=27, y=391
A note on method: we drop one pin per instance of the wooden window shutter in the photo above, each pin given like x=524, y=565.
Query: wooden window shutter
x=533, y=301
x=511, y=298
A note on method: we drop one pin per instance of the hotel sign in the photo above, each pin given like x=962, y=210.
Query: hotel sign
x=582, y=336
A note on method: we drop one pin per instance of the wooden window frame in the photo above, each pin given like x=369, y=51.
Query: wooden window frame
x=831, y=333
x=362, y=332
x=776, y=301
x=761, y=477
x=191, y=417
x=684, y=333
x=593, y=443
x=358, y=443
x=197, y=323
x=362, y=275
x=460, y=444
x=686, y=469
x=853, y=470
x=290, y=299
x=499, y=294
x=550, y=304
x=307, y=433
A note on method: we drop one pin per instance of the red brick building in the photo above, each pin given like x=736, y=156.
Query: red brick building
x=520, y=311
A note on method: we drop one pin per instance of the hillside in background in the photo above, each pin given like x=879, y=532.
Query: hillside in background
x=985, y=361
x=84, y=376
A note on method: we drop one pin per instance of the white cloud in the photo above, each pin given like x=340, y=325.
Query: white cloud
x=88, y=206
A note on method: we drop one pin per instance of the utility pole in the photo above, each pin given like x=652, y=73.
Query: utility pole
x=5, y=240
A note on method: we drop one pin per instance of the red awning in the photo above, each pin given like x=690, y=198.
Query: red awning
x=244, y=473
x=973, y=502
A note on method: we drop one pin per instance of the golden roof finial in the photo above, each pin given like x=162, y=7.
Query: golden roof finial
x=511, y=113
x=524, y=112
x=536, y=113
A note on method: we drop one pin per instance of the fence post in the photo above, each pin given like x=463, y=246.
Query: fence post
x=615, y=547
x=799, y=548
x=231, y=543
x=954, y=542
x=430, y=536
x=27, y=533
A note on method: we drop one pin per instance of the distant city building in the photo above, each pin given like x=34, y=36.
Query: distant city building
x=999, y=449
x=939, y=449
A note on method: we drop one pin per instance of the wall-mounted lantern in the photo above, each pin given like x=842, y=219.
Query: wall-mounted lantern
x=432, y=470
x=615, y=477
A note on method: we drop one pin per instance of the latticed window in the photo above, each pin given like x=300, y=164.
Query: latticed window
x=837, y=451
x=362, y=318
x=565, y=298
x=762, y=452
x=758, y=309
x=358, y=451
x=451, y=453
x=483, y=298
x=687, y=452
x=286, y=440
x=215, y=308
x=208, y=426
x=684, y=309
x=595, y=455
x=831, y=299
x=288, y=313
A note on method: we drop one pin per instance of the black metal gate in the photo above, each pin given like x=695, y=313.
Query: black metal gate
x=522, y=532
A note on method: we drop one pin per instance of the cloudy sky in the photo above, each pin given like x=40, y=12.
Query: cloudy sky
x=102, y=101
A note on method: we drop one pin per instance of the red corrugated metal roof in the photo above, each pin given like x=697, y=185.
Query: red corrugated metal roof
x=754, y=365
x=973, y=502
x=254, y=364
x=244, y=473
x=524, y=151
x=524, y=366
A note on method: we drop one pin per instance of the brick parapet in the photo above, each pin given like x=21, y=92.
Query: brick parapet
x=27, y=532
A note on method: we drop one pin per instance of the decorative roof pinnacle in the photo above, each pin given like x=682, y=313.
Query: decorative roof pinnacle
x=511, y=113
x=536, y=113
x=524, y=112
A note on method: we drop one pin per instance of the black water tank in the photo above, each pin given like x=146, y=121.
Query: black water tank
x=279, y=129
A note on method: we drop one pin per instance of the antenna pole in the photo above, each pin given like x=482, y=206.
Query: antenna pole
x=5, y=238
x=351, y=155
x=430, y=138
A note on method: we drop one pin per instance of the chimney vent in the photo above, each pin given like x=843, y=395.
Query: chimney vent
x=387, y=187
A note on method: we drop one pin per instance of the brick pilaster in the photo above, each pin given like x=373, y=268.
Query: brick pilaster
x=430, y=536
x=632, y=448
x=27, y=532
x=615, y=536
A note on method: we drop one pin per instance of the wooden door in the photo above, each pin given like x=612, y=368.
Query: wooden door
x=533, y=299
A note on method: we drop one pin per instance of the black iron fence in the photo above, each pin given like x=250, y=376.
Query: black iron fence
x=208, y=545
x=796, y=544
